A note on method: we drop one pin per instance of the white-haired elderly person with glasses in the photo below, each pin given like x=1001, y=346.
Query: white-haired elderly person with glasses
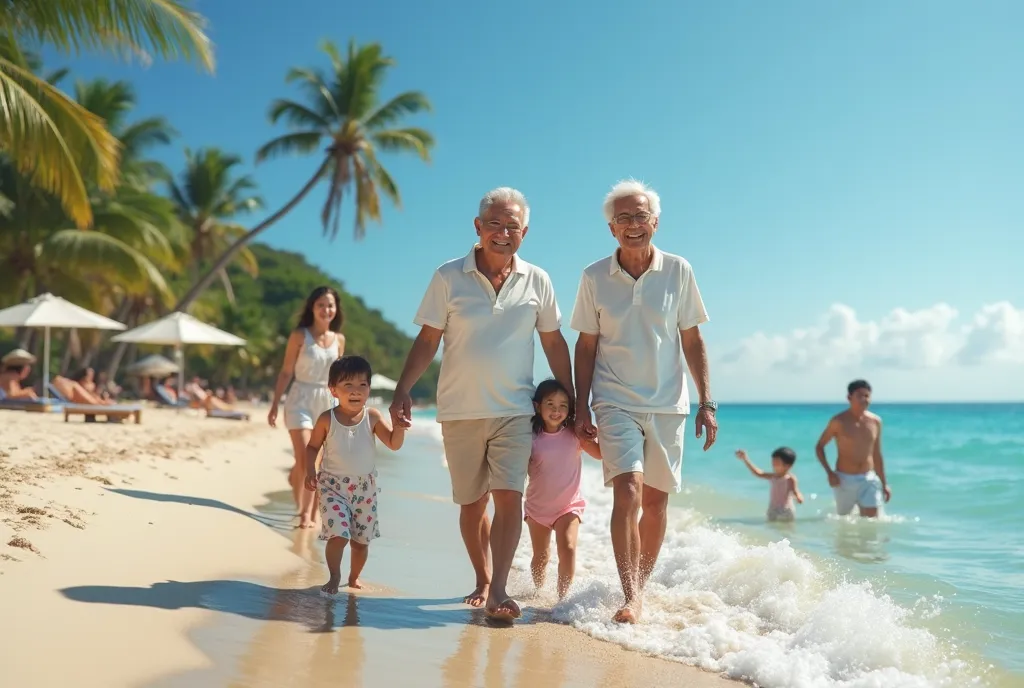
x=638, y=313
x=486, y=307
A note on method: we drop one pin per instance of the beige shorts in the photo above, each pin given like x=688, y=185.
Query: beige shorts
x=648, y=443
x=487, y=454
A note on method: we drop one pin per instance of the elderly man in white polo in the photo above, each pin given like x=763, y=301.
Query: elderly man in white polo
x=637, y=313
x=486, y=307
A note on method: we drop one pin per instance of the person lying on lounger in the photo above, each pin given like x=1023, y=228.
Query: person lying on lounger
x=11, y=377
x=75, y=393
x=201, y=398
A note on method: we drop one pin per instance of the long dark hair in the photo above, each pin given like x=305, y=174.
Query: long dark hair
x=544, y=390
x=306, y=319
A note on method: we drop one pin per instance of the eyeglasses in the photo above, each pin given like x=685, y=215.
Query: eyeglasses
x=641, y=218
x=496, y=226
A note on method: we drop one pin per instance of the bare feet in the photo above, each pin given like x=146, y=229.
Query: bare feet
x=630, y=613
x=330, y=589
x=307, y=521
x=506, y=610
x=355, y=583
x=478, y=596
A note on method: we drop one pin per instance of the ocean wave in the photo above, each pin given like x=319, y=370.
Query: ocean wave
x=763, y=613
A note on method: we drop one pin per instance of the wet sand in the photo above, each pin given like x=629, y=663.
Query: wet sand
x=164, y=555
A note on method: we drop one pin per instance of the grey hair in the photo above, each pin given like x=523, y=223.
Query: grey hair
x=627, y=188
x=505, y=194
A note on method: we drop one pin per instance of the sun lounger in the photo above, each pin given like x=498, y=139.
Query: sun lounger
x=228, y=415
x=112, y=412
x=165, y=399
x=31, y=405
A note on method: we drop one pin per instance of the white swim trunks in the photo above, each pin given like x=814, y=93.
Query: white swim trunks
x=857, y=489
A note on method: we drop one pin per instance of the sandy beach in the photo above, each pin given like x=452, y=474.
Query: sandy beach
x=164, y=555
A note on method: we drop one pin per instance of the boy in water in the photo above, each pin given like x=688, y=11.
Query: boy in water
x=859, y=475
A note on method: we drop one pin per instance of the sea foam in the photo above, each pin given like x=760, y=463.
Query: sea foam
x=763, y=613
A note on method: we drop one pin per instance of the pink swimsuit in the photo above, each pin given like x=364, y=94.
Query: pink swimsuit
x=554, y=487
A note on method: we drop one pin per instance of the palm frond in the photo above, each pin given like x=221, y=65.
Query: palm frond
x=382, y=178
x=54, y=141
x=162, y=27
x=408, y=103
x=296, y=115
x=297, y=142
x=412, y=139
x=314, y=83
x=367, y=200
x=357, y=83
x=145, y=133
x=74, y=251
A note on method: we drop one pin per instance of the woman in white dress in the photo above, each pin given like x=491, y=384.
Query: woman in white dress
x=312, y=347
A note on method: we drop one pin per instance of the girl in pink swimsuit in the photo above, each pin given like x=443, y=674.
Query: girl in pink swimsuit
x=553, y=499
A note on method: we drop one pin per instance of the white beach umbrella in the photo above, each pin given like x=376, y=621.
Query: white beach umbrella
x=381, y=382
x=46, y=311
x=153, y=365
x=177, y=330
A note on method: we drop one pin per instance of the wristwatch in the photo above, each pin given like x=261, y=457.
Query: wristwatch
x=709, y=405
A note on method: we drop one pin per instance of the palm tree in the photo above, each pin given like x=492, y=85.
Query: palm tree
x=342, y=109
x=207, y=199
x=57, y=144
x=134, y=229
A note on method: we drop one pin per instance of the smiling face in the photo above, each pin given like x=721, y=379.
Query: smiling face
x=501, y=228
x=779, y=467
x=633, y=225
x=352, y=393
x=553, y=410
x=324, y=310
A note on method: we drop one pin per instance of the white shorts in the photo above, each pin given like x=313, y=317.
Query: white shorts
x=647, y=443
x=305, y=403
x=857, y=489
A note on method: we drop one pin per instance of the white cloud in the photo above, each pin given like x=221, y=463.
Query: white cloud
x=904, y=340
x=996, y=335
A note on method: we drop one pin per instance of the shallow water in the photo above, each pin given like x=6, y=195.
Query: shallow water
x=932, y=594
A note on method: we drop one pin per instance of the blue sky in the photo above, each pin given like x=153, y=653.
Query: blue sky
x=820, y=164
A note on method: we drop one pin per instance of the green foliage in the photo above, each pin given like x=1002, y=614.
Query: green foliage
x=267, y=310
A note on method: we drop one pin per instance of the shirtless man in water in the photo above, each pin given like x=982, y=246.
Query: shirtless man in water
x=859, y=475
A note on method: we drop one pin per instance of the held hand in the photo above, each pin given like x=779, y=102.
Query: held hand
x=584, y=427
x=401, y=409
x=887, y=493
x=833, y=479
x=311, y=482
x=706, y=421
x=272, y=416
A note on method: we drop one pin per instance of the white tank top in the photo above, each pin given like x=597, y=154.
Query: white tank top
x=314, y=361
x=350, y=449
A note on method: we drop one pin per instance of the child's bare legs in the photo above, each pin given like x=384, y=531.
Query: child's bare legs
x=540, y=537
x=335, y=549
x=566, y=529
x=359, y=553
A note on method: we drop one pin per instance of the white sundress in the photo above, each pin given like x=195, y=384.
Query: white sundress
x=308, y=395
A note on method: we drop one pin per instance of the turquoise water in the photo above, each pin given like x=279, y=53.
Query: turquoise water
x=953, y=538
x=931, y=594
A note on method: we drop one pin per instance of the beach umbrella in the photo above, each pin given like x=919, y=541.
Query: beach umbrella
x=177, y=330
x=154, y=365
x=46, y=311
x=381, y=382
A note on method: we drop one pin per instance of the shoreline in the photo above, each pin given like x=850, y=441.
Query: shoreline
x=152, y=536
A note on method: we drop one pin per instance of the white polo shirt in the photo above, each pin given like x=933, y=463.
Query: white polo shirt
x=640, y=365
x=487, y=363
